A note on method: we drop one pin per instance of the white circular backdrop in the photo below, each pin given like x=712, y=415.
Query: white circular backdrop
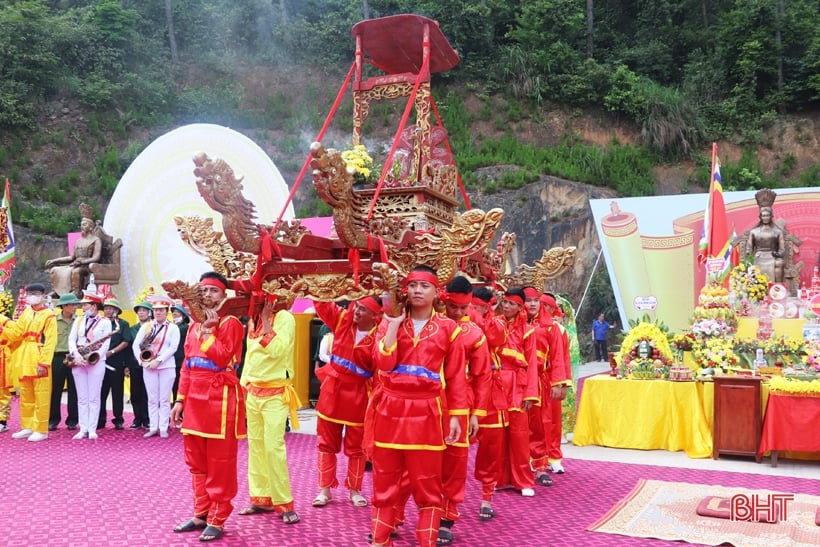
x=160, y=184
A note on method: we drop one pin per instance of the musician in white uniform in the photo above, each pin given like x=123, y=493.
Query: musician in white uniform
x=154, y=347
x=87, y=344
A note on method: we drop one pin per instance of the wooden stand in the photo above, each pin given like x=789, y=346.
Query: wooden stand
x=738, y=424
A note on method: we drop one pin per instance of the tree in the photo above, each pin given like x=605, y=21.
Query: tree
x=172, y=39
x=590, y=27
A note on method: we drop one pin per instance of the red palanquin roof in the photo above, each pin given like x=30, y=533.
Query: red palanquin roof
x=394, y=44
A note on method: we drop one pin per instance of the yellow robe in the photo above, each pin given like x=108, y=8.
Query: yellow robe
x=267, y=376
x=32, y=339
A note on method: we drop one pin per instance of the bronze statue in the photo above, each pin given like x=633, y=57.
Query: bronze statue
x=71, y=273
x=766, y=242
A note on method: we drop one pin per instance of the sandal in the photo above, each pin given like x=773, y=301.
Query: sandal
x=486, y=514
x=544, y=480
x=290, y=517
x=445, y=532
x=190, y=525
x=358, y=500
x=321, y=500
x=255, y=510
x=211, y=533
x=445, y=536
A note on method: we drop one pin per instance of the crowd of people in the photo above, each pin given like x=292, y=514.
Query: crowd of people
x=91, y=354
x=406, y=390
x=410, y=393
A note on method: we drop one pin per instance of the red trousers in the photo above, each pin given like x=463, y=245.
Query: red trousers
x=492, y=447
x=212, y=463
x=330, y=443
x=553, y=430
x=424, y=472
x=538, y=443
x=518, y=451
x=454, y=479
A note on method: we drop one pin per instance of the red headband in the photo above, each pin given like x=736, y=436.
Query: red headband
x=457, y=298
x=530, y=293
x=548, y=301
x=420, y=275
x=370, y=303
x=514, y=298
x=479, y=302
x=214, y=282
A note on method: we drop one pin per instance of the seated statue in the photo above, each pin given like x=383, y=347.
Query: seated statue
x=771, y=246
x=766, y=244
x=93, y=253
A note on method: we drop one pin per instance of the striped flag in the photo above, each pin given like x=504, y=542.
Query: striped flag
x=7, y=257
x=716, y=245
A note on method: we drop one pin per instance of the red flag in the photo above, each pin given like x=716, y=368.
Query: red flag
x=7, y=256
x=718, y=226
x=718, y=245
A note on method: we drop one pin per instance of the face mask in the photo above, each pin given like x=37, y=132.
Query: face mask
x=178, y=320
x=88, y=313
x=33, y=300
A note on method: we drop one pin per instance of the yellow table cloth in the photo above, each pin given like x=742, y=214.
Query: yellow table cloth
x=646, y=414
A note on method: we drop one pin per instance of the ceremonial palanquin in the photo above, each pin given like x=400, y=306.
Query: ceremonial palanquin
x=382, y=230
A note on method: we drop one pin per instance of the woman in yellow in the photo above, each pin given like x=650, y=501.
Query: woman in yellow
x=34, y=337
x=267, y=378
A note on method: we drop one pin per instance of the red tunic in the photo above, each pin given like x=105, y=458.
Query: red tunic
x=208, y=385
x=344, y=393
x=478, y=372
x=513, y=345
x=413, y=374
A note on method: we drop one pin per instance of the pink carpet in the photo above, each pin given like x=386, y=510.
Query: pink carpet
x=123, y=490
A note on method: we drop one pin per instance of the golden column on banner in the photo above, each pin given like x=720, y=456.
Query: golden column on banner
x=669, y=265
x=620, y=230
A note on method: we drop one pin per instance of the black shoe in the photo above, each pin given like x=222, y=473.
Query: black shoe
x=119, y=427
x=135, y=425
x=52, y=427
x=101, y=426
x=71, y=427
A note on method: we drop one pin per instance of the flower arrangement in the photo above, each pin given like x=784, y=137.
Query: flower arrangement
x=715, y=353
x=746, y=349
x=784, y=350
x=359, y=161
x=793, y=386
x=812, y=356
x=683, y=341
x=711, y=328
x=747, y=281
x=645, y=352
x=7, y=303
x=143, y=295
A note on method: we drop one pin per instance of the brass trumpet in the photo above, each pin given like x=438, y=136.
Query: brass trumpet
x=90, y=353
x=147, y=353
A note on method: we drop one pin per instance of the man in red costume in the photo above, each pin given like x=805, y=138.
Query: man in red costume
x=343, y=397
x=412, y=416
x=512, y=341
x=560, y=378
x=210, y=408
x=492, y=428
x=548, y=349
x=457, y=297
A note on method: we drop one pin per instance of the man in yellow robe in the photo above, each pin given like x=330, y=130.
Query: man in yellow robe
x=35, y=336
x=267, y=378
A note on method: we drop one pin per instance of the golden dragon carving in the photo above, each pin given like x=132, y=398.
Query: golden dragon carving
x=553, y=262
x=222, y=191
x=199, y=235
